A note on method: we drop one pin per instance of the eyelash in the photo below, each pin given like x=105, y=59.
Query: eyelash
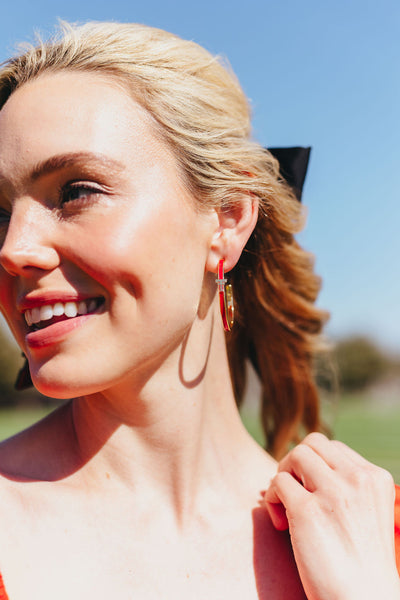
x=4, y=217
x=64, y=190
x=77, y=187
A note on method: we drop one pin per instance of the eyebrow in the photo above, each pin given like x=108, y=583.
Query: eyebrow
x=64, y=161
x=70, y=159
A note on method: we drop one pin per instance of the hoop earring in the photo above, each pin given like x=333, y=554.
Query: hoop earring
x=225, y=297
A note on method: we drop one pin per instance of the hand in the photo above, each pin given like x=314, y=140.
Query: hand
x=339, y=509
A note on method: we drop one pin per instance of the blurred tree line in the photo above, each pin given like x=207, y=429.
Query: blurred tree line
x=353, y=364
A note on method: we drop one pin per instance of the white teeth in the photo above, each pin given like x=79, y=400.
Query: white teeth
x=70, y=309
x=46, y=313
x=82, y=308
x=58, y=309
x=35, y=315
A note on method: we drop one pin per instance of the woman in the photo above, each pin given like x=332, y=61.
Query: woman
x=129, y=184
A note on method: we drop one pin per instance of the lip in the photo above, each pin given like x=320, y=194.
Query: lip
x=57, y=332
x=51, y=297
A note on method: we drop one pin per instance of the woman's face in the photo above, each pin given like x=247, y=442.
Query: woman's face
x=102, y=251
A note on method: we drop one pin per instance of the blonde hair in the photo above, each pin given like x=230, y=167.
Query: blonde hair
x=202, y=113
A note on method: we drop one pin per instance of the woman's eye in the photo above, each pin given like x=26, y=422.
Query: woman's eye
x=77, y=193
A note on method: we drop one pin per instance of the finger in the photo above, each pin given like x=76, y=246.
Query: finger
x=386, y=482
x=306, y=466
x=351, y=454
x=336, y=454
x=284, y=489
x=277, y=513
x=283, y=495
x=351, y=465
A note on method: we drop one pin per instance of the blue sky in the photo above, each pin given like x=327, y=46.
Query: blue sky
x=318, y=73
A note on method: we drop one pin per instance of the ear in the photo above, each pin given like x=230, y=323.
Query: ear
x=235, y=225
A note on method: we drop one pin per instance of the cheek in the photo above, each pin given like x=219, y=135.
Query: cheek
x=155, y=258
x=146, y=248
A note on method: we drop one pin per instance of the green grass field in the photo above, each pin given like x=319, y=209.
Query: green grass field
x=373, y=431
x=370, y=428
x=13, y=420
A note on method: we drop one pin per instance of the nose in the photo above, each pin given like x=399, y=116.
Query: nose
x=26, y=244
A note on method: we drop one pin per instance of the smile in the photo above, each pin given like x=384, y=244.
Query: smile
x=40, y=317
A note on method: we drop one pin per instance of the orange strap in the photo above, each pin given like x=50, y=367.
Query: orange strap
x=397, y=527
x=3, y=593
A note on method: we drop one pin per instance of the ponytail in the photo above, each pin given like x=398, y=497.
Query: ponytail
x=277, y=324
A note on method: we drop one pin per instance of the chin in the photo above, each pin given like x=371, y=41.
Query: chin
x=54, y=388
x=55, y=385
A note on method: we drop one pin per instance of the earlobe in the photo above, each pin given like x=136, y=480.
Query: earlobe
x=235, y=225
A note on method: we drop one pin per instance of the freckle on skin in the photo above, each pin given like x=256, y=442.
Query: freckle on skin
x=108, y=475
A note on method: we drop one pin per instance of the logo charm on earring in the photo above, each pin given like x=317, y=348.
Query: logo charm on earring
x=225, y=297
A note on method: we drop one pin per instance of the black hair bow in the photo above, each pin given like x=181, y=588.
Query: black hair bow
x=293, y=163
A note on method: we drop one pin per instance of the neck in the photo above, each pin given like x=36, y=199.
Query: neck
x=177, y=433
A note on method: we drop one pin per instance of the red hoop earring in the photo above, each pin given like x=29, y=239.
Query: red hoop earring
x=225, y=297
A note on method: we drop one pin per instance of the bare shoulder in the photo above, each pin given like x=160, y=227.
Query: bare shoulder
x=274, y=564
x=253, y=469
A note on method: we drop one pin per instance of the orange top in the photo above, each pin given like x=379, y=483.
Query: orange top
x=3, y=593
x=396, y=527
